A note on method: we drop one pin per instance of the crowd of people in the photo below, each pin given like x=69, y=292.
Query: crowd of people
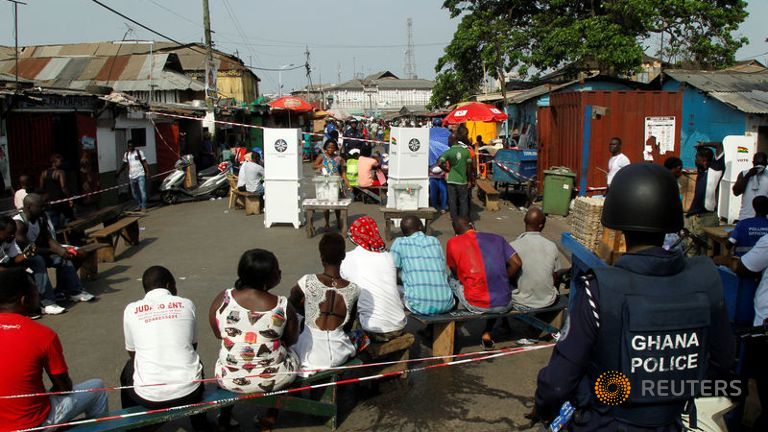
x=267, y=340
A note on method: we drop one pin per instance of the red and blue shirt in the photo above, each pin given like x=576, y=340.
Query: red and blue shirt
x=479, y=260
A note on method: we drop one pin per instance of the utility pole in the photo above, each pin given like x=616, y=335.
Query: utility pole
x=16, y=4
x=210, y=117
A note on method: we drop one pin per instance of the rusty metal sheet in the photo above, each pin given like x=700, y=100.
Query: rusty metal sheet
x=112, y=68
x=29, y=68
x=561, y=128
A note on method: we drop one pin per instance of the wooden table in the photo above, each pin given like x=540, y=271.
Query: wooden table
x=312, y=205
x=718, y=236
x=428, y=214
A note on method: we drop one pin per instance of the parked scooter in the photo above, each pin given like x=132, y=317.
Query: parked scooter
x=217, y=186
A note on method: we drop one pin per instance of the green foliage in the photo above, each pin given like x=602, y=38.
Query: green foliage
x=531, y=36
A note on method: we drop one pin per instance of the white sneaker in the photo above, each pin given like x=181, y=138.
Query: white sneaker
x=82, y=296
x=53, y=309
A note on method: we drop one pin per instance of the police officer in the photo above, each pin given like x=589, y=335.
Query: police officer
x=643, y=333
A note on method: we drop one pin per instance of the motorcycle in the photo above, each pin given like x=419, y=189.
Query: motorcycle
x=216, y=186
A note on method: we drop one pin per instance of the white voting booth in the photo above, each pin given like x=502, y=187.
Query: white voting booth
x=408, y=182
x=739, y=150
x=282, y=177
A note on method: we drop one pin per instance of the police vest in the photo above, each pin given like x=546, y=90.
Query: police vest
x=352, y=172
x=655, y=331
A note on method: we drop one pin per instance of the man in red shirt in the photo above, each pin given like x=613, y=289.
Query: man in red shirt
x=28, y=348
x=482, y=265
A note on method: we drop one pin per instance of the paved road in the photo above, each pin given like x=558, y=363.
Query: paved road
x=201, y=242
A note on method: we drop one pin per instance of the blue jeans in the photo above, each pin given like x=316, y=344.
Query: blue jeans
x=458, y=291
x=139, y=191
x=67, y=280
x=67, y=407
x=438, y=193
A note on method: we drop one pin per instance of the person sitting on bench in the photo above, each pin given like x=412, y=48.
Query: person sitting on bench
x=34, y=227
x=251, y=176
x=10, y=253
x=482, y=265
x=329, y=304
x=421, y=262
x=29, y=349
x=541, y=263
x=371, y=267
x=161, y=340
x=256, y=328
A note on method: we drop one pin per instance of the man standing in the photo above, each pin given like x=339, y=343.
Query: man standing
x=138, y=171
x=371, y=267
x=34, y=227
x=421, y=262
x=618, y=160
x=29, y=349
x=541, y=263
x=161, y=339
x=703, y=210
x=752, y=183
x=482, y=265
x=458, y=163
x=623, y=315
x=251, y=176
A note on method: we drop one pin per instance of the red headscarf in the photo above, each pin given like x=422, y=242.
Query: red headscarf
x=365, y=233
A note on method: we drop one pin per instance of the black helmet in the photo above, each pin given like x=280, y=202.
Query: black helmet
x=643, y=197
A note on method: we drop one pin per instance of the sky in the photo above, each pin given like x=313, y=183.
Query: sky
x=349, y=36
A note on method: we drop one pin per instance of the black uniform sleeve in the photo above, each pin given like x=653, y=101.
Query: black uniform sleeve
x=558, y=381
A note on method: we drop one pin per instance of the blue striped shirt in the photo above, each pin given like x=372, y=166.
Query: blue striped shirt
x=421, y=262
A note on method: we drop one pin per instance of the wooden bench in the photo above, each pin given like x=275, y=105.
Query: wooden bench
x=103, y=216
x=445, y=324
x=378, y=197
x=488, y=195
x=310, y=206
x=397, y=349
x=89, y=260
x=127, y=228
x=293, y=402
x=428, y=214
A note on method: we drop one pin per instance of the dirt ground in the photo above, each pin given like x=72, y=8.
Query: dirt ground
x=200, y=242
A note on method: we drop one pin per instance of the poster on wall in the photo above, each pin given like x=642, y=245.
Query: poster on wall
x=211, y=73
x=659, y=134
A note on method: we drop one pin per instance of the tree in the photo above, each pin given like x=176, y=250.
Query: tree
x=533, y=36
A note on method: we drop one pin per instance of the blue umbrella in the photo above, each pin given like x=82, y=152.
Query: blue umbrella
x=438, y=143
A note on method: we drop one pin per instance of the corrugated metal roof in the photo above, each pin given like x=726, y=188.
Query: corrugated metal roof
x=721, y=81
x=751, y=102
x=388, y=84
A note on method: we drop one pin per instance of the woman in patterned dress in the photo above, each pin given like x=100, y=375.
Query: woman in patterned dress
x=256, y=328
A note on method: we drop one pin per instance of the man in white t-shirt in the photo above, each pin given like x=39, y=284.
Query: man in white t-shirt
x=618, y=160
x=138, y=170
x=160, y=336
x=251, y=176
x=752, y=183
x=372, y=268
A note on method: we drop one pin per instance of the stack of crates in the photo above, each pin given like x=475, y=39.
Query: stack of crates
x=586, y=227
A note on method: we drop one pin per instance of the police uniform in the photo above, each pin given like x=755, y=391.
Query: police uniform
x=655, y=317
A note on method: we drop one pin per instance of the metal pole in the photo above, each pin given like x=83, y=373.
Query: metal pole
x=16, y=4
x=208, y=46
x=280, y=83
x=151, y=66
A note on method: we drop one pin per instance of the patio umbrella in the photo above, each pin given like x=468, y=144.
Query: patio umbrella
x=291, y=103
x=474, y=111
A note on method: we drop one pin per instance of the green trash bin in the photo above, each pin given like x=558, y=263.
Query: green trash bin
x=558, y=188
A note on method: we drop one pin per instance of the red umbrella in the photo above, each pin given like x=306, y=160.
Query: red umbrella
x=474, y=111
x=291, y=103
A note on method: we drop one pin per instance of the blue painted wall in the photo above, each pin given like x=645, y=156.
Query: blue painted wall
x=704, y=119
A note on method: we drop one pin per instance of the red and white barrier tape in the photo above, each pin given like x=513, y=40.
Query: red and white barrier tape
x=303, y=371
x=261, y=127
x=511, y=171
x=117, y=186
x=290, y=390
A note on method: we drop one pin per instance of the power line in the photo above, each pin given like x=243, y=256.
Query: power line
x=241, y=32
x=275, y=69
x=192, y=47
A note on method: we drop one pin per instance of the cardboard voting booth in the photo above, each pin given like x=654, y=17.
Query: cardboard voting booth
x=738, y=150
x=408, y=182
x=282, y=177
